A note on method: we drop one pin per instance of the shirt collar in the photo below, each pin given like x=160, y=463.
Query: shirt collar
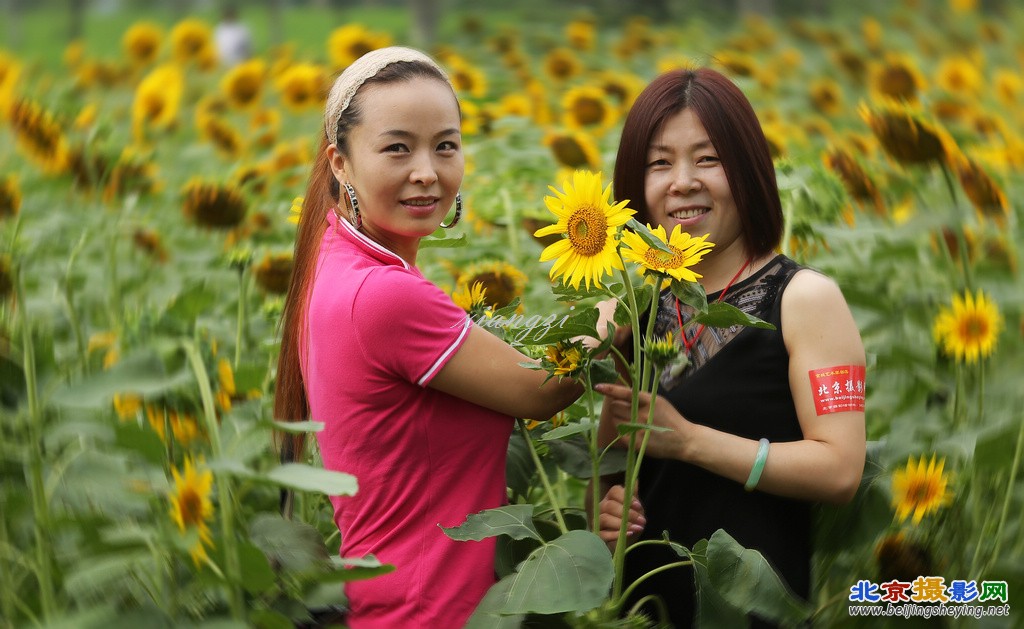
x=362, y=241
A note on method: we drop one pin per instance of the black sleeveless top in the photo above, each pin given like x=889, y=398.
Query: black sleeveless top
x=737, y=382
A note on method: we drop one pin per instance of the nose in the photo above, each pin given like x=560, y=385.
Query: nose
x=686, y=180
x=423, y=171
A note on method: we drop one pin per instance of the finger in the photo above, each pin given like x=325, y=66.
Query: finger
x=614, y=391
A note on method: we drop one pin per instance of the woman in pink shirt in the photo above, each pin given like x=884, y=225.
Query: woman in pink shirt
x=417, y=400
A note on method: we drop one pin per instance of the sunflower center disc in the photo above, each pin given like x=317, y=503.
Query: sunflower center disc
x=588, y=230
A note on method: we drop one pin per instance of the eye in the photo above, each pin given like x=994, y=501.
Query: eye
x=661, y=161
x=397, y=147
x=448, y=145
x=708, y=159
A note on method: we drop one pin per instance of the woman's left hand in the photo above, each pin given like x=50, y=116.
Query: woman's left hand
x=663, y=444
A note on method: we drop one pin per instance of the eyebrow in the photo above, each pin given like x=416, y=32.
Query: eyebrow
x=401, y=133
x=667, y=149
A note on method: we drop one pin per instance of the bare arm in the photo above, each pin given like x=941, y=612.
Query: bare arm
x=487, y=371
x=826, y=465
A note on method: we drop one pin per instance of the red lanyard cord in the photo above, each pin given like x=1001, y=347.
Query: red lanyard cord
x=688, y=344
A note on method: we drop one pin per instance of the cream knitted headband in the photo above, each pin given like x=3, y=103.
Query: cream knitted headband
x=349, y=82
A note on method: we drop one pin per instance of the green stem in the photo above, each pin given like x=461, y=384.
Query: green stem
x=76, y=325
x=595, y=457
x=240, y=325
x=7, y=591
x=619, y=557
x=958, y=229
x=231, y=559
x=511, y=226
x=1007, y=499
x=40, y=507
x=648, y=575
x=981, y=390
x=543, y=476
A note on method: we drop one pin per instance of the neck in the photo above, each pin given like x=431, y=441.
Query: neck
x=405, y=249
x=717, y=269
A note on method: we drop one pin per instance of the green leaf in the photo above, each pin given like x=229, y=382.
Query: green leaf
x=141, y=440
x=194, y=301
x=565, y=292
x=573, y=456
x=993, y=452
x=307, y=478
x=712, y=610
x=298, y=427
x=141, y=374
x=96, y=576
x=568, y=430
x=625, y=429
x=516, y=521
x=690, y=293
x=293, y=545
x=550, y=329
x=573, y=573
x=354, y=569
x=745, y=579
x=448, y=242
x=723, y=315
x=648, y=236
x=519, y=469
x=257, y=576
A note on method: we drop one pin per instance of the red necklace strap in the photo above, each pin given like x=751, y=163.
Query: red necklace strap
x=688, y=343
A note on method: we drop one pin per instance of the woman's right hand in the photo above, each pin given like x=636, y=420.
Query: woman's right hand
x=610, y=519
x=606, y=315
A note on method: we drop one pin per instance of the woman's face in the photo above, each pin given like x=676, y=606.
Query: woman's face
x=405, y=158
x=685, y=183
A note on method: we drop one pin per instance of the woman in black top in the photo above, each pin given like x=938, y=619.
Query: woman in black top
x=763, y=422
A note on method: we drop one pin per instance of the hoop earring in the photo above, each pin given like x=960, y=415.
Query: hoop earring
x=357, y=219
x=458, y=212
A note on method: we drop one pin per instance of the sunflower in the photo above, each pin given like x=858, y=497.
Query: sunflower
x=131, y=173
x=10, y=70
x=590, y=221
x=958, y=75
x=515, y=104
x=141, y=43
x=150, y=243
x=348, y=43
x=225, y=384
x=219, y=132
x=157, y=99
x=636, y=38
x=852, y=63
x=562, y=64
x=902, y=559
x=564, y=359
x=38, y=134
x=127, y=405
x=274, y=272
x=963, y=6
x=191, y=506
x=574, y=149
x=303, y=87
x=252, y=178
x=192, y=41
x=184, y=427
x=467, y=78
x=985, y=194
x=872, y=31
x=265, y=124
x=897, y=78
x=290, y=159
x=919, y=489
x=1008, y=87
x=686, y=252
x=968, y=331
x=586, y=107
x=10, y=197
x=295, y=211
x=501, y=281
x=826, y=96
x=855, y=179
x=213, y=205
x=242, y=85
x=736, y=63
x=905, y=136
x=580, y=34
x=623, y=87
x=664, y=350
x=538, y=96
x=470, y=298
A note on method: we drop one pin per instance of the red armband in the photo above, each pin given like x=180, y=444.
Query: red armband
x=838, y=389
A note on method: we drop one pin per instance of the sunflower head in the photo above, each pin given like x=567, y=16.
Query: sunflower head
x=968, y=330
x=574, y=149
x=589, y=222
x=224, y=137
x=466, y=78
x=10, y=197
x=686, y=251
x=472, y=299
x=274, y=272
x=826, y=96
x=920, y=488
x=561, y=64
x=214, y=205
x=564, y=359
x=192, y=41
x=905, y=136
x=958, y=75
x=242, y=85
x=150, y=243
x=501, y=281
x=897, y=78
x=39, y=135
x=983, y=191
x=191, y=506
x=902, y=559
x=855, y=179
x=662, y=351
x=141, y=42
x=587, y=107
x=348, y=43
x=303, y=86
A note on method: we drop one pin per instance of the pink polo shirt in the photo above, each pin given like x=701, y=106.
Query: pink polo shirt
x=378, y=332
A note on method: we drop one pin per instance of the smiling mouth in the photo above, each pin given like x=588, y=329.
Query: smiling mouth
x=420, y=202
x=691, y=212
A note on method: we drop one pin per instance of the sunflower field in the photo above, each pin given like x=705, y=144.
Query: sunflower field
x=148, y=203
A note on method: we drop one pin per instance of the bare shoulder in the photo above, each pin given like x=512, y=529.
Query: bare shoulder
x=813, y=307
